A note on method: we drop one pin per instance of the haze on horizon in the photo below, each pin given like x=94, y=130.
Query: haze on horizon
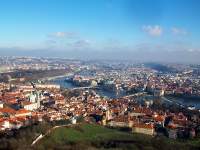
x=141, y=30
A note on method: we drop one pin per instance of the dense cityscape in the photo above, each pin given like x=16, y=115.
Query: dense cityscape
x=143, y=97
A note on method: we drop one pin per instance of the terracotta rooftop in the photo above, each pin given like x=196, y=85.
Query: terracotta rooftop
x=7, y=110
x=22, y=111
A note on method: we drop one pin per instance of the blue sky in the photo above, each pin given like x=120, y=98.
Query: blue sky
x=99, y=25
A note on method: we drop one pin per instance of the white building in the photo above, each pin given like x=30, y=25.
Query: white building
x=31, y=106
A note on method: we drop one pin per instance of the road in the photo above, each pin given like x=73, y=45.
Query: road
x=48, y=132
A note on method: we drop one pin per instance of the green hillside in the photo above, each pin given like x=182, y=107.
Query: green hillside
x=89, y=136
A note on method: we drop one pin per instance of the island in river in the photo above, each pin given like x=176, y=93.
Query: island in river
x=112, y=94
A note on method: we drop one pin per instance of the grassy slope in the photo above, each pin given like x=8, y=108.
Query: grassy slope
x=88, y=133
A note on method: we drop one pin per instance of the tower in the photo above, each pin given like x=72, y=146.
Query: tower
x=38, y=98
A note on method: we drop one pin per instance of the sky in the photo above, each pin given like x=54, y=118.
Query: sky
x=141, y=30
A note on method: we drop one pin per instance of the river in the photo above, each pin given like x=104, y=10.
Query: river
x=109, y=94
x=64, y=84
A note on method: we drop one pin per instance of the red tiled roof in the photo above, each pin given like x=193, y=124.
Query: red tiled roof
x=22, y=111
x=7, y=110
x=159, y=118
x=26, y=103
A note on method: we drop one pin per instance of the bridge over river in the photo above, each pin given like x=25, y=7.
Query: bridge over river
x=86, y=87
x=135, y=95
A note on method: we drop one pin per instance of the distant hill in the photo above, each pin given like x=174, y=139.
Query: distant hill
x=161, y=67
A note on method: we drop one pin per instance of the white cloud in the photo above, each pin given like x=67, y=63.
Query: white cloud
x=155, y=30
x=178, y=31
x=63, y=34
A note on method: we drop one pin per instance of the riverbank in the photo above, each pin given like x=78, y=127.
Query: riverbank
x=56, y=77
x=110, y=94
x=184, y=102
x=69, y=85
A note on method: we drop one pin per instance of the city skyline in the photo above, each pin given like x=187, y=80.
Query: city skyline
x=157, y=30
